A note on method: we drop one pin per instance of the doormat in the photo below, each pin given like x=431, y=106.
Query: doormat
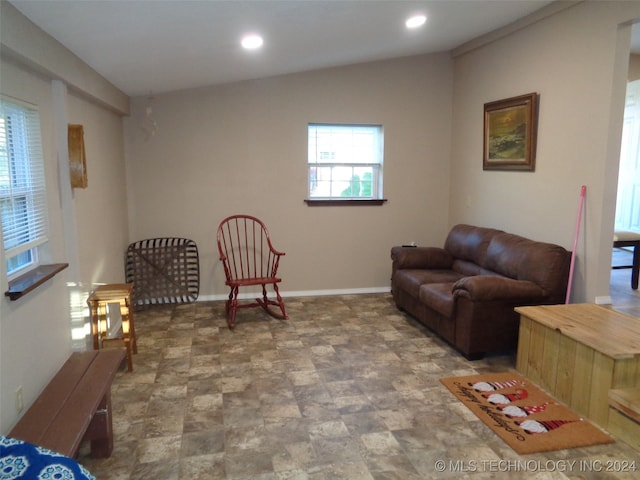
x=525, y=417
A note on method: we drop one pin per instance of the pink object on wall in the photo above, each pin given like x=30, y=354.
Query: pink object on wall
x=583, y=192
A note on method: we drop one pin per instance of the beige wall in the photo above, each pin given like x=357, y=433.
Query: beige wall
x=34, y=331
x=101, y=208
x=242, y=148
x=570, y=60
x=88, y=229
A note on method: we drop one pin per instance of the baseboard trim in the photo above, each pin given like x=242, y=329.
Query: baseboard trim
x=604, y=300
x=300, y=293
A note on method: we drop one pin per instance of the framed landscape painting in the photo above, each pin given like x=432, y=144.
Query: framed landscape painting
x=510, y=133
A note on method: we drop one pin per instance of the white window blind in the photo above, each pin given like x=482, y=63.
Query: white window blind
x=22, y=182
x=345, y=161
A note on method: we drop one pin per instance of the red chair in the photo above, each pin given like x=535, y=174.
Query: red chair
x=249, y=259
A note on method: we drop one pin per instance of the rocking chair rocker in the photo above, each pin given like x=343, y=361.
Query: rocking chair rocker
x=249, y=259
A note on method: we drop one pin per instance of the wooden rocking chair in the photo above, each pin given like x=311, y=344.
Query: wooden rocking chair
x=249, y=259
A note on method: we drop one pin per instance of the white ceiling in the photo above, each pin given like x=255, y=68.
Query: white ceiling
x=155, y=46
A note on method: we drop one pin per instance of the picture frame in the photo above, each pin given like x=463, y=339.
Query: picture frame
x=77, y=156
x=510, y=133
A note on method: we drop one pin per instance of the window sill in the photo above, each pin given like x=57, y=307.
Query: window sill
x=31, y=280
x=343, y=203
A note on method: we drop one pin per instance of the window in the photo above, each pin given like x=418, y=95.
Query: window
x=345, y=162
x=23, y=204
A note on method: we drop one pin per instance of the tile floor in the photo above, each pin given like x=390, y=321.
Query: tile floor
x=347, y=388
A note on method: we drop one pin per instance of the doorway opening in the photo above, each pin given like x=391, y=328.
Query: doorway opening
x=628, y=200
x=627, y=217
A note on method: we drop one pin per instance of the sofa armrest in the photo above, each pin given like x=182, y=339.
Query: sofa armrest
x=494, y=288
x=420, y=258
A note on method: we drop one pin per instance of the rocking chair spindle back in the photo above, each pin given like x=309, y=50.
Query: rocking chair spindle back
x=249, y=258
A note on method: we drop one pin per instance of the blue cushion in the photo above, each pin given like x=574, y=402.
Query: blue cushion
x=19, y=459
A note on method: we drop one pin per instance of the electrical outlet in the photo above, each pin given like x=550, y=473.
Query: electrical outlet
x=19, y=399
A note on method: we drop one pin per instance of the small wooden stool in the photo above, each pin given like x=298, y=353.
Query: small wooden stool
x=99, y=300
x=629, y=239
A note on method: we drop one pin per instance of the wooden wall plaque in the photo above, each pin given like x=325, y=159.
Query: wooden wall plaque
x=77, y=157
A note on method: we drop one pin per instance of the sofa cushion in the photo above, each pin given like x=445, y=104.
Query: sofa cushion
x=466, y=242
x=490, y=288
x=439, y=297
x=421, y=258
x=542, y=263
x=411, y=280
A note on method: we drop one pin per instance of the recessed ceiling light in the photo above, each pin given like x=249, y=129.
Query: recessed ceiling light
x=416, y=21
x=252, y=42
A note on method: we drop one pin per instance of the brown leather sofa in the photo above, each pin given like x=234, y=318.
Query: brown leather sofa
x=466, y=292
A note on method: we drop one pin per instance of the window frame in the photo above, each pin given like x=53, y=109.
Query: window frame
x=318, y=158
x=22, y=166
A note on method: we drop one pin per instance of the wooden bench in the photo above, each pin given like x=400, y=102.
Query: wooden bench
x=578, y=353
x=75, y=406
x=624, y=415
